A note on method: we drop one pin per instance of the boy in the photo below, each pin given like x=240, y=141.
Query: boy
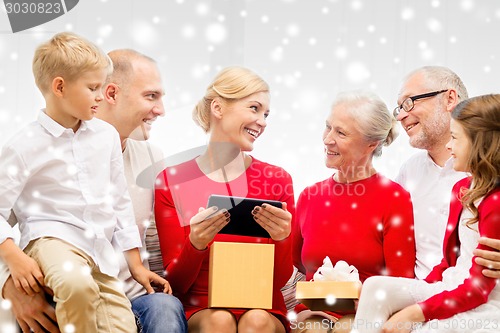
x=63, y=178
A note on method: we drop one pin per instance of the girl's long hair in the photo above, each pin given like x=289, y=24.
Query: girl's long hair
x=480, y=118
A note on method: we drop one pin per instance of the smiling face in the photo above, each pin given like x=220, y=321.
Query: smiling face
x=346, y=149
x=139, y=101
x=427, y=124
x=459, y=146
x=241, y=121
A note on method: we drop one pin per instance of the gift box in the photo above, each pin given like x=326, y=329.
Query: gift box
x=337, y=296
x=241, y=275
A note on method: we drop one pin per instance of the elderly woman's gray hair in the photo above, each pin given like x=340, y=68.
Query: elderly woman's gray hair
x=372, y=117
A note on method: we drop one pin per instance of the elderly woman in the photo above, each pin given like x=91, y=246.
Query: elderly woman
x=233, y=112
x=356, y=215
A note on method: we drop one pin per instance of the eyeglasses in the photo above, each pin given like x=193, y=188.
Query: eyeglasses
x=408, y=104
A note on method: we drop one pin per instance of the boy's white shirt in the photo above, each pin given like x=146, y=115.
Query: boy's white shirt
x=90, y=208
x=137, y=156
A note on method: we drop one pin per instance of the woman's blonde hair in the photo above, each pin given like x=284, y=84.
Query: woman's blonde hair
x=372, y=117
x=230, y=84
x=480, y=118
x=67, y=55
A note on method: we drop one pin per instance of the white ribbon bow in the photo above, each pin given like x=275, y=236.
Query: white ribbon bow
x=341, y=272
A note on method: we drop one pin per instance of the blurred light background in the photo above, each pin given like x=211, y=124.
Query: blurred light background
x=308, y=51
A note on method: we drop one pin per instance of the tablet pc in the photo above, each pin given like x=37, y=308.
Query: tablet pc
x=242, y=222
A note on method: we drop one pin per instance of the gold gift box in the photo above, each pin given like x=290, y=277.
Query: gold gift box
x=241, y=275
x=328, y=295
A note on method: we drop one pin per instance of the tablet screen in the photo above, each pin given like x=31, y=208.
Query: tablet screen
x=242, y=222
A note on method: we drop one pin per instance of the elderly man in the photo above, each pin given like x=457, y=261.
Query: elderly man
x=425, y=101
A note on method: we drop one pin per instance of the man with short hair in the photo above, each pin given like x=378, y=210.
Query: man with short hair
x=425, y=101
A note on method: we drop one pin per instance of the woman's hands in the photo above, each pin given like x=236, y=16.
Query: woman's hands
x=208, y=222
x=276, y=221
x=205, y=225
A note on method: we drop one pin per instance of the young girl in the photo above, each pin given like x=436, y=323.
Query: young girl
x=455, y=296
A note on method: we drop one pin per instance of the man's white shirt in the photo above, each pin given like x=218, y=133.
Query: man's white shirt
x=430, y=188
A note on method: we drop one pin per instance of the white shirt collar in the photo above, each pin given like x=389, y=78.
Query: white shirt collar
x=56, y=129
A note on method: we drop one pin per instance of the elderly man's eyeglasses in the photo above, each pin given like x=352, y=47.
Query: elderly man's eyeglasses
x=408, y=103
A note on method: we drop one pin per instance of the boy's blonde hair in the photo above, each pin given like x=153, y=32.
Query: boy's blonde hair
x=67, y=55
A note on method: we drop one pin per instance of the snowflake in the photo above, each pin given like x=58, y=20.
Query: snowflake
x=89, y=233
x=105, y=30
x=396, y=221
x=216, y=33
x=68, y=266
x=380, y=295
x=5, y=304
x=85, y=270
x=357, y=72
x=435, y=3
x=341, y=52
x=8, y=328
x=69, y=328
x=467, y=5
x=202, y=9
x=293, y=30
x=143, y=33
x=12, y=170
x=330, y=299
x=188, y=31
x=356, y=5
x=277, y=54
x=434, y=25
x=407, y=14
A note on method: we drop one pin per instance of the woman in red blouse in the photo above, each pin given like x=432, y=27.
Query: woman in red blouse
x=356, y=215
x=233, y=112
x=455, y=296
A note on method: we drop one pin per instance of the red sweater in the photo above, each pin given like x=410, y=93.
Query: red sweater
x=368, y=224
x=475, y=289
x=187, y=267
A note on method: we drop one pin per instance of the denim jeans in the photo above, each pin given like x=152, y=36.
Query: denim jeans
x=159, y=313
